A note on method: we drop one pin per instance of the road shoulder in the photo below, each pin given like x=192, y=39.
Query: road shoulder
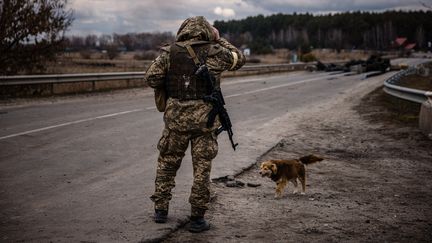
x=374, y=184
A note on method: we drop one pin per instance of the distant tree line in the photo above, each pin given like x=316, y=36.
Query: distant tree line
x=350, y=30
x=126, y=42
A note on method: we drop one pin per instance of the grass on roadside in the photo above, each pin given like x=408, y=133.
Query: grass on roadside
x=417, y=82
x=378, y=106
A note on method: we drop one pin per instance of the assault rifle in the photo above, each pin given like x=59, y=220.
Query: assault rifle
x=216, y=99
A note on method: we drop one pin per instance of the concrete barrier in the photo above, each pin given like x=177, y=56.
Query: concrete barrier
x=425, y=118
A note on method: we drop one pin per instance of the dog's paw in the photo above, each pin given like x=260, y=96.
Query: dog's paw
x=295, y=192
x=278, y=196
x=302, y=193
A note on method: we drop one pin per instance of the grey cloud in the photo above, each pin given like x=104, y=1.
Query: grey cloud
x=289, y=6
x=149, y=16
x=166, y=15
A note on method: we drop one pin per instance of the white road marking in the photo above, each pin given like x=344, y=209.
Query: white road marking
x=275, y=87
x=154, y=107
x=259, y=79
x=69, y=123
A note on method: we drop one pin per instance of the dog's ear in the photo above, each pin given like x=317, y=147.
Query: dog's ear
x=273, y=168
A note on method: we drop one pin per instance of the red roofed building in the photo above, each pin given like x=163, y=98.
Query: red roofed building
x=400, y=41
x=410, y=46
x=402, y=45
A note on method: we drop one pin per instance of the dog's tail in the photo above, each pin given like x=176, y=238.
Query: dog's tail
x=310, y=159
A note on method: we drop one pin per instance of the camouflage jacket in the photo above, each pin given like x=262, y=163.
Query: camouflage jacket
x=192, y=115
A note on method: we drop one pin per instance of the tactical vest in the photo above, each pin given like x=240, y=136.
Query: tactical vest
x=182, y=83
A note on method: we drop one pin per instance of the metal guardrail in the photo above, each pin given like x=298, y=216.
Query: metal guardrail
x=391, y=87
x=69, y=78
x=271, y=66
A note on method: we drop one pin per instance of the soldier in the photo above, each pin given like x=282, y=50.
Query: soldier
x=186, y=113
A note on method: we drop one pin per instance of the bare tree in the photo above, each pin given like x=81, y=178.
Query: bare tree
x=426, y=5
x=91, y=41
x=76, y=42
x=112, y=51
x=31, y=32
x=105, y=40
x=420, y=37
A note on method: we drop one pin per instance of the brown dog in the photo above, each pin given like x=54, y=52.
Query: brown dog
x=283, y=171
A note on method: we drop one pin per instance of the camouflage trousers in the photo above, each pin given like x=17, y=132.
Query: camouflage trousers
x=172, y=147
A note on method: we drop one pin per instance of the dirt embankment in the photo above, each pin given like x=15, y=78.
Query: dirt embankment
x=375, y=184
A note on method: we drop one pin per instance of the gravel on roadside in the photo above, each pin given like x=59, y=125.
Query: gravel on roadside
x=375, y=184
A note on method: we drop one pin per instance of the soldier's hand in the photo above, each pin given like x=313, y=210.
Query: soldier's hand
x=216, y=33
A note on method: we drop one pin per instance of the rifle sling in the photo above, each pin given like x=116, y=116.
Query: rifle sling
x=193, y=55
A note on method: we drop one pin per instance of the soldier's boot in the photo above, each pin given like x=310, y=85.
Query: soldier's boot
x=160, y=216
x=198, y=224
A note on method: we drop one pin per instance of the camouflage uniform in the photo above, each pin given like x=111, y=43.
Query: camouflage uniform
x=185, y=120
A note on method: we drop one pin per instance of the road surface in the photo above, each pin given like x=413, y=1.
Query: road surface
x=82, y=168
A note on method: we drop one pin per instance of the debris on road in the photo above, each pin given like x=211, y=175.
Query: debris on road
x=373, y=63
x=251, y=184
x=234, y=183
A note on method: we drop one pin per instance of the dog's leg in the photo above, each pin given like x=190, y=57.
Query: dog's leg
x=303, y=182
x=294, y=182
x=302, y=178
x=280, y=185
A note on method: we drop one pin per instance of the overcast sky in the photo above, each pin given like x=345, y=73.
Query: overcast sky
x=123, y=16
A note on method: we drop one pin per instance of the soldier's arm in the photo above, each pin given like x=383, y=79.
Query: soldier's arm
x=224, y=56
x=156, y=73
x=238, y=58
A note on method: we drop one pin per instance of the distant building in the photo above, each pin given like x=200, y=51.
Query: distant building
x=294, y=58
x=400, y=41
x=405, y=48
x=246, y=52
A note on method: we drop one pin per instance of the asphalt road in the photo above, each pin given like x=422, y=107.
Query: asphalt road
x=82, y=168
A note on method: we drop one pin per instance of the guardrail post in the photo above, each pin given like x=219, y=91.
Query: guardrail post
x=425, y=118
